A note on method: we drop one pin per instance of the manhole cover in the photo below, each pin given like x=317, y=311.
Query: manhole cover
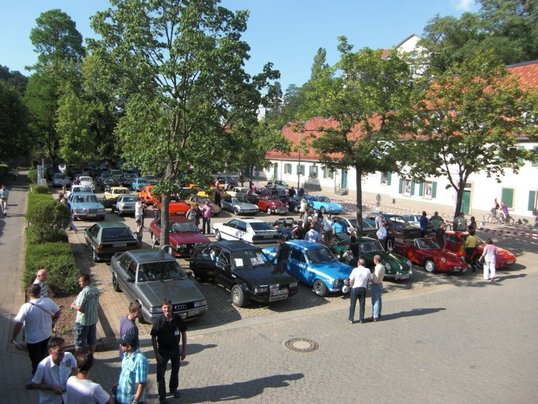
x=301, y=345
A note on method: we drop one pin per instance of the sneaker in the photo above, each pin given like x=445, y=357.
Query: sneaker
x=177, y=394
x=350, y=321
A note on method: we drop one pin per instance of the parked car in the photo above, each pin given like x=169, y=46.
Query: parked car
x=138, y=183
x=284, y=226
x=243, y=269
x=60, y=179
x=351, y=225
x=250, y=230
x=414, y=220
x=200, y=200
x=146, y=194
x=397, y=226
x=315, y=265
x=78, y=189
x=396, y=266
x=149, y=275
x=183, y=236
x=84, y=205
x=277, y=184
x=111, y=195
x=125, y=205
x=86, y=180
x=239, y=205
x=323, y=204
x=271, y=206
x=238, y=190
x=176, y=207
x=427, y=253
x=108, y=238
x=455, y=239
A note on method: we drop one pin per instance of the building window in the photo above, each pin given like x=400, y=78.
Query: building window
x=386, y=178
x=287, y=168
x=406, y=187
x=313, y=171
x=533, y=205
x=327, y=172
x=300, y=169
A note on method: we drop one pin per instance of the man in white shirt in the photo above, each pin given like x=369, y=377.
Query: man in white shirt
x=80, y=389
x=377, y=287
x=312, y=236
x=328, y=228
x=52, y=373
x=358, y=282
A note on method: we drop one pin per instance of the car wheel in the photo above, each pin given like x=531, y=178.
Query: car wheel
x=236, y=211
x=218, y=236
x=238, y=296
x=322, y=210
x=95, y=257
x=320, y=288
x=429, y=265
x=269, y=211
x=115, y=284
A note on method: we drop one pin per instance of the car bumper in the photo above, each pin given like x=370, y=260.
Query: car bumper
x=126, y=210
x=248, y=212
x=94, y=216
x=399, y=276
x=190, y=314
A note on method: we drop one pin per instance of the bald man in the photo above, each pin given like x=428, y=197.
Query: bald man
x=41, y=278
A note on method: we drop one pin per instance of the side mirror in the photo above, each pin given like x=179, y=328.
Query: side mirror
x=130, y=279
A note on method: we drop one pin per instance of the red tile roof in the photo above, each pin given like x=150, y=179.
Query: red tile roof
x=527, y=72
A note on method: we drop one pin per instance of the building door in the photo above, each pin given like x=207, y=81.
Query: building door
x=466, y=202
x=275, y=171
x=343, y=182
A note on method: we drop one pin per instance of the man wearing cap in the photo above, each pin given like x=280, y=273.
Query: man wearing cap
x=167, y=331
x=134, y=373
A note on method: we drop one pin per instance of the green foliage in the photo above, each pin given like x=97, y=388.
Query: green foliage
x=32, y=175
x=13, y=79
x=40, y=189
x=46, y=217
x=14, y=140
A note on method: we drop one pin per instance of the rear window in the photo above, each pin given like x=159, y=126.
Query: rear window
x=117, y=233
x=261, y=226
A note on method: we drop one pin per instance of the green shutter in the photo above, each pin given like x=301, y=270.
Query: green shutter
x=421, y=189
x=508, y=197
x=389, y=178
x=532, y=200
x=535, y=156
x=520, y=160
x=434, y=189
x=412, y=187
x=400, y=186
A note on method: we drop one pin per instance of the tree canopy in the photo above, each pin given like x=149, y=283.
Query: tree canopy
x=13, y=124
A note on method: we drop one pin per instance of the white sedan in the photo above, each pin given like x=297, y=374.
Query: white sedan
x=250, y=230
x=87, y=181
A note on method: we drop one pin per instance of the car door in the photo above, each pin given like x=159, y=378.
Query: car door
x=228, y=230
x=241, y=232
x=224, y=272
x=226, y=203
x=123, y=264
x=92, y=235
x=297, y=265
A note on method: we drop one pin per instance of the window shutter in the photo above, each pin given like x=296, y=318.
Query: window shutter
x=434, y=189
x=389, y=178
x=421, y=189
x=400, y=186
x=508, y=197
x=532, y=199
x=412, y=187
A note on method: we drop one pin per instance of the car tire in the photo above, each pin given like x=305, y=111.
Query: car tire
x=95, y=256
x=115, y=284
x=320, y=288
x=236, y=211
x=239, y=298
x=429, y=265
x=218, y=236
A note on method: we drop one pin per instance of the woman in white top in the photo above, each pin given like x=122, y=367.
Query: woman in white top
x=488, y=255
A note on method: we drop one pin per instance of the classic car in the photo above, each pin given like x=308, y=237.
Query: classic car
x=183, y=235
x=250, y=230
x=315, y=265
x=146, y=194
x=84, y=205
x=284, y=225
x=108, y=181
x=277, y=184
x=323, y=204
x=271, y=206
x=78, y=189
x=414, y=220
x=455, y=239
x=138, y=183
x=60, y=179
x=86, y=180
x=396, y=226
x=200, y=200
x=427, y=253
x=108, y=238
x=351, y=226
x=125, y=204
x=149, y=275
x=176, y=207
x=239, y=205
x=396, y=266
x=238, y=190
x=243, y=269
x=111, y=195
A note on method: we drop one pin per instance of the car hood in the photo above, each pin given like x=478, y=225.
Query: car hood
x=264, y=275
x=246, y=205
x=86, y=205
x=333, y=269
x=188, y=238
x=178, y=291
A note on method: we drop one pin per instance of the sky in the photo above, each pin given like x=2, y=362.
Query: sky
x=287, y=33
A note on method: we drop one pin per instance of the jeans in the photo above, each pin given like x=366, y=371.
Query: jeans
x=376, y=290
x=173, y=357
x=37, y=352
x=206, y=224
x=357, y=293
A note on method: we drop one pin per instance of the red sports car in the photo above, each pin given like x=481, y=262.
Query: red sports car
x=427, y=253
x=176, y=207
x=184, y=235
x=455, y=239
x=272, y=206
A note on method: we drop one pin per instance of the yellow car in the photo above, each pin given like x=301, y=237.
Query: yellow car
x=112, y=194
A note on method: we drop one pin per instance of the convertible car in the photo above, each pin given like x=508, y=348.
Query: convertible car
x=427, y=253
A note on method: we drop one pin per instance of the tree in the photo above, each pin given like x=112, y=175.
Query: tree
x=14, y=79
x=14, y=141
x=178, y=67
x=468, y=121
x=360, y=95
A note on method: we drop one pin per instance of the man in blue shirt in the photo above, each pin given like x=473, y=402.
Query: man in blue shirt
x=134, y=372
x=423, y=221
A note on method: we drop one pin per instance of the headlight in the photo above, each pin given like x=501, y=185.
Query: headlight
x=181, y=246
x=443, y=260
x=293, y=285
x=408, y=262
x=337, y=283
x=261, y=289
x=200, y=303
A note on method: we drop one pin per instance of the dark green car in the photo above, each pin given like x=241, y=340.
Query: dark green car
x=105, y=239
x=396, y=266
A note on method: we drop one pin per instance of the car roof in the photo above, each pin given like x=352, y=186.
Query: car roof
x=146, y=255
x=109, y=225
x=234, y=245
x=250, y=220
x=305, y=245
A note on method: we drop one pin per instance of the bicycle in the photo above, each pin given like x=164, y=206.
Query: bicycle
x=498, y=217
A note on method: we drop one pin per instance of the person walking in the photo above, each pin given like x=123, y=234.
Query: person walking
x=303, y=207
x=377, y=288
x=207, y=214
x=131, y=387
x=41, y=278
x=128, y=322
x=167, y=332
x=80, y=389
x=139, y=210
x=37, y=316
x=282, y=254
x=489, y=254
x=358, y=282
x=52, y=373
x=87, y=306
x=4, y=195
x=423, y=223
x=469, y=248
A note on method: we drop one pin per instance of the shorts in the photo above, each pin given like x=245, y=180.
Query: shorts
x=84, y=335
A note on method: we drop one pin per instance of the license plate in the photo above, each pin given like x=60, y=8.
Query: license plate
x=120, y=245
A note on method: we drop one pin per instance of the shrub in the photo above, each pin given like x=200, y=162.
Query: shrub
x=46, y=217
x=40, y=189
x=32, y=175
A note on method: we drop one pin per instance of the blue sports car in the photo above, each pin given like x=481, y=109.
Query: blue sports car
x=315, y=265
x=323, y=204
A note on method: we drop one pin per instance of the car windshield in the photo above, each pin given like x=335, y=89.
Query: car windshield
x=370, y=246
x=121, y=191
x=426, y=244
x=319, y=255
x=241, y=199
x=324, y=199
x=397, y=219
x=84, y=199
x=184, y=227
x=248, y=259
x=117, y=233
x=260, y=226
x=81, y=189
x=85, y=179
x=62, y=176
x=160, y=271
x=129, y=198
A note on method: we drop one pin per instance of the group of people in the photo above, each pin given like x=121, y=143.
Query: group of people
x=359, y=280
x=318, y=229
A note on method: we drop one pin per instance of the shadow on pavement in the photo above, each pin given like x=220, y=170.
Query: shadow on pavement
x=412, y=313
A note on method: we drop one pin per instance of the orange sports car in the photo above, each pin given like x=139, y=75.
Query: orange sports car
x=147, y=195
x=176, y=207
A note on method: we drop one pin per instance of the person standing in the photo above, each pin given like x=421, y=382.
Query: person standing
x=139, y=210
x=303, y=207
x=440, y=235
x=131, y=387
x=128, y=322
x=460, y=224
x=207, y=214
x=192, y=214
x=52, y=373
x=472, y=224
x=436, y=220
x=312, y=236
x=328, y=229
x=469, y=248
x=358, y=282
x=80, y=389
x=382, y=234
x=87, y=306
x=504, y=210
x=139, y=231
x=489, y=254
x=41, y=278
x=4, y=194
x=37, y=316
x=338, y=227
x=282, y=255
x=379, y=220
x=377, y=288
x=217, y=194
x=167, y=332
x=423, y=223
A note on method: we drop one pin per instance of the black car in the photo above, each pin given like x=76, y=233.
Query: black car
x=244, y=270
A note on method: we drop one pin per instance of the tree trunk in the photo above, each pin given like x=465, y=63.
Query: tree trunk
x=165, y=220
x=358, y=199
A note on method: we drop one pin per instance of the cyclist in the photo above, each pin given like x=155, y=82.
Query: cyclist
x=495, y=207
x=504, y=211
